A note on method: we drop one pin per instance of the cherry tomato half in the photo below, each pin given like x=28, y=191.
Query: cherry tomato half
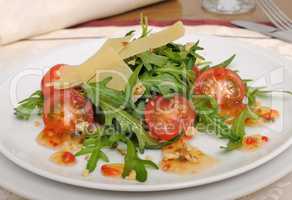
x=47, y=80
x=63, y=108
x=196, y=71
x=221, y=83
x=166, y=118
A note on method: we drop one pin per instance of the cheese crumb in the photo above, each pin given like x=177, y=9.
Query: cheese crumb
x=85, y=173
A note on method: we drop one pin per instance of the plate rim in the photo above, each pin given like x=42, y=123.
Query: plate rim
x=241, y=193
x=161, y=187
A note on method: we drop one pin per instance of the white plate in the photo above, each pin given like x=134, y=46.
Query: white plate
x=32, y=186
x=17, y=138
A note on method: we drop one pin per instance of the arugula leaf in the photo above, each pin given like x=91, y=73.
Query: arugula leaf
x=26, y=107
x=209, y=120
x=163, y=83
x=129, y=124
x=225, y=63
x=148, y=58
x=93, y=159
x=181, y=73
x=255, y=92
x=94, y=144
x=110, y=102
x=99, y=90
x=132, y=81
x=133, y=162
x=238, y=128
x=131, y=32
x=144, y=25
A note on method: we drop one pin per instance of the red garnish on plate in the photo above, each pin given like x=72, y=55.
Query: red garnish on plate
x=265, y=138
x=114, y=170
x=68, y=157
x=250, y=140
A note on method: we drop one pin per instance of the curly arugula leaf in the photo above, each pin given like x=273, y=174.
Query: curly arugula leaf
x=94, y=144
x=133, y=162
x=28, y=106
x=128, y=124
x=209, y=120
x=226, y=63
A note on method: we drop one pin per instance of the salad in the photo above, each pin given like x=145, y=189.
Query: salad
x=171, y=94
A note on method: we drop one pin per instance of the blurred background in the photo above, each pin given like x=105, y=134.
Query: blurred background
x=192, y=9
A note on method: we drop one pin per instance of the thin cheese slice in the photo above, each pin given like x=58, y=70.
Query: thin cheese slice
x=108, y=61
x=154, y=40
x=117, y=43
x=109, y=64
x=103, y=59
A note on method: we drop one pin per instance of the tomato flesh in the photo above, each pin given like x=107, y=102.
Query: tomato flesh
x=113, y=170
x=68, y=157
x=166, y=118
x=63, y=108
x=221, y=83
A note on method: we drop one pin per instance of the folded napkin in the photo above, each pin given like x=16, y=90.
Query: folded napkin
x=23, y=19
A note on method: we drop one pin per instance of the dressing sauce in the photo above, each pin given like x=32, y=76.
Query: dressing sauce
x=182, y=158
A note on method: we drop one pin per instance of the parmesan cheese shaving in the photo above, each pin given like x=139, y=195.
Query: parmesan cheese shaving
x=154, y=40
x=108, y=60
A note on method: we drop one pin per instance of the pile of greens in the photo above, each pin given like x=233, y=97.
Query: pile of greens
x=167, y=71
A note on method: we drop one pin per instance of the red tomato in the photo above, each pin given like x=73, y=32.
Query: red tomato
x=167, y=117
x=68, y=157
x=62, y=116
x=250, y=141
x=63, y=108
x=114, y=170
x=48, y=79
x=221, y=83
x=265, y=138
x=196, y=71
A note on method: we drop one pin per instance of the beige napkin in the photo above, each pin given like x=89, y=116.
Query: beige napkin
x=20, y=19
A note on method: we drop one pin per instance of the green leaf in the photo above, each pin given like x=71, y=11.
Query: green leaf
x=238, y=126
x=94, y=144
x=93, y=159
x=164, y=83
x=226, y=63
x=132, y=81
x=133, y=162
x=130, y=33
x=144, y=25
x=238, y=129
x=97, y=91
x=210, y=121
x=151, y=58
x=129, y=123
x=28, y=106
x=259, y=92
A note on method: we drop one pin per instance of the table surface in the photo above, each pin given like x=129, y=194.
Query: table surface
x=191, y=9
